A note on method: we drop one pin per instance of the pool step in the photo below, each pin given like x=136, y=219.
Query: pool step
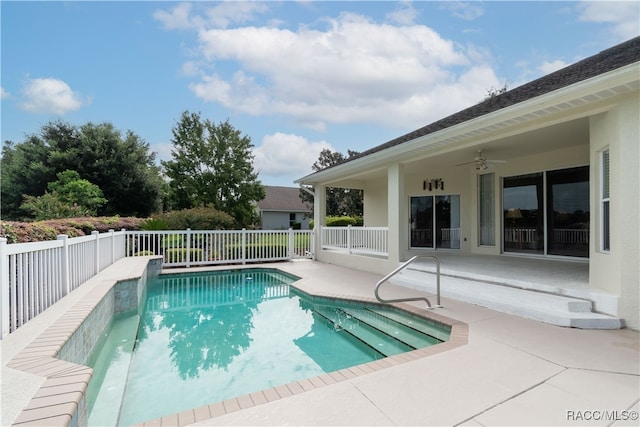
x=389, y=326
x=384, y=344
x=433, y=329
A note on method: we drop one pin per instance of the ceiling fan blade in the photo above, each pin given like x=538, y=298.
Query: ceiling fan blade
x=495, y=161
x=468, y=163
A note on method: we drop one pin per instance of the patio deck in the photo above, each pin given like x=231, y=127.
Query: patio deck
x=513, y=371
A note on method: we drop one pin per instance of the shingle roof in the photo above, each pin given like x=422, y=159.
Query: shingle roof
x=608, y=60
x=286, y=199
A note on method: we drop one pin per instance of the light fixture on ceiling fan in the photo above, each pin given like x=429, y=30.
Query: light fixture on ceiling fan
x=481, y=163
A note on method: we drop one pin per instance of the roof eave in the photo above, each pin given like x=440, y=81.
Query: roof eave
x=581, y=94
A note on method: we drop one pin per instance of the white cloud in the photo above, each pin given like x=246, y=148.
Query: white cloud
x=3, y=93
x=354, y=70
x=405, y=14
x=287, y=155
x=178, y=18
x=622, y=16
x=50, y=95
x=550, y=66
x=466, y=10
x=184, y=16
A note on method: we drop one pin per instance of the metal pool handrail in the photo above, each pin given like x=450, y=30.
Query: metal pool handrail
x=402, y=267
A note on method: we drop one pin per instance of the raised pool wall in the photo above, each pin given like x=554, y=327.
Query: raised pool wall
x=59, y=354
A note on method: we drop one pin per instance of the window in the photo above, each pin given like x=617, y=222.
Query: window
x=486, y=197
x=604, y=202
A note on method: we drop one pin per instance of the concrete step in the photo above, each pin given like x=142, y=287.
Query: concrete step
x=546, y=307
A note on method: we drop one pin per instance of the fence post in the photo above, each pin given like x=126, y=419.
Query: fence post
x=113, y=245
x=96, y=236
x=125, y=242
x=66, y=284
x=4, y=283
x=244, y=246
x=188, y=255
x=292, y=242
x=349, y=239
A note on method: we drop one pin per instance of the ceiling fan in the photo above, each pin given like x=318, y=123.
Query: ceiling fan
x=481, y=163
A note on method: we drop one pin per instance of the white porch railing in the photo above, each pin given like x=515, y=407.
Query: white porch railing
x=33, y=276
x=571, y=235
x=356, y=240
x=185, y=248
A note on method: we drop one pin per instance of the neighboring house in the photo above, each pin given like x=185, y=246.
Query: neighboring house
x=282, y=208
x=564, y=183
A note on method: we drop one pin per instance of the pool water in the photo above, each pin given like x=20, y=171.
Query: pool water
x=207, y=337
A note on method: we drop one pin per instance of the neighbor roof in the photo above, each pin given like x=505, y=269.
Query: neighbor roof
x=286, y=199
x=608, y=60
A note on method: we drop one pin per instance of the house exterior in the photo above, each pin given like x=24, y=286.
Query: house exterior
x=282, y=208
x=546, y=170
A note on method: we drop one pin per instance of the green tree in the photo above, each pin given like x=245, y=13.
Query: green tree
x=69, y=196
x=121, y=166
x=340, y=201
x=212, y=165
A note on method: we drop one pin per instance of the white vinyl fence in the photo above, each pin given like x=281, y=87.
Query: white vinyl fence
x=33, y=276
x=356, y=240
x=186, y=248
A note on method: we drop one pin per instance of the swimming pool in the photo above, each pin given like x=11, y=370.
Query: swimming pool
x=205, y=337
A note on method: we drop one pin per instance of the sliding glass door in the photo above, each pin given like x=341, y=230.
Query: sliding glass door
x=547, y=213
x=435, y=222
x=568, y=212
x=523, y=214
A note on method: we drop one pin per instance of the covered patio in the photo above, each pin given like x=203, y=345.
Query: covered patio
x=534, y=190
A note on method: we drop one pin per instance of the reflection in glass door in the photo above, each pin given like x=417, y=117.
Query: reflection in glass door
x=523, y=214
x=568, y=212
x=435, y=222
x=422, y=222
x=564, y=230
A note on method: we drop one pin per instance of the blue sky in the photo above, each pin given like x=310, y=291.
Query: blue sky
x=294, y=76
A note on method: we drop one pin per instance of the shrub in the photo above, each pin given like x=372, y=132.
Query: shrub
x=20, y=232
x=180, y=255
x=144, y=253
x=154, y=224
x=340, y=221
x=196, y=219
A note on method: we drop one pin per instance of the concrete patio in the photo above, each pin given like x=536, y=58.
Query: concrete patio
x=512, y=371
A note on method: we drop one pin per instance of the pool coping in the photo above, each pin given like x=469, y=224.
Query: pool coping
x=60, y=399
x=459, y=336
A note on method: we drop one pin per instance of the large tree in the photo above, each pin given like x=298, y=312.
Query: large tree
x=340, y=201
x=212, y=165
x=122, y=167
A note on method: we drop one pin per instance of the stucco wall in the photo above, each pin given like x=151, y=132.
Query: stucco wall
x=618, y=271
x=375, y=203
